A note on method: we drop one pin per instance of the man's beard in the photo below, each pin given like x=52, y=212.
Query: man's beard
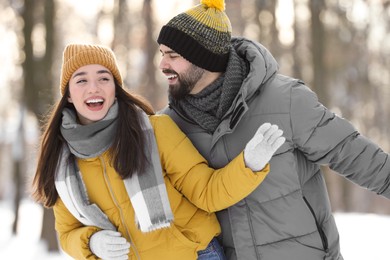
x=185, y=82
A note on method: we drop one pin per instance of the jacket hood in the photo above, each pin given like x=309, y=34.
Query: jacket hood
x=262, y=65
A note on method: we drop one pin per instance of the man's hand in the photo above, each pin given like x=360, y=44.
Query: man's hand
x=262, y=146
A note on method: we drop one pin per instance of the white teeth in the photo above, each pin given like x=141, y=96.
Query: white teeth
x=94, y=101
x=171, y=76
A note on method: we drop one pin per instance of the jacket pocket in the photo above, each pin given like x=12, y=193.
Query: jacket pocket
x=274, y=221
x=182, y=238
x=324, y=239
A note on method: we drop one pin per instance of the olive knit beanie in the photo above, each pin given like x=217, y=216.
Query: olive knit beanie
x=78, y=55
x=201, y=35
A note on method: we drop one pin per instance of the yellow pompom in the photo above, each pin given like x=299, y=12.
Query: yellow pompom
x=218, y=4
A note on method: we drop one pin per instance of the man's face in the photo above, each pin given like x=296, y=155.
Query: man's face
x=182, y=75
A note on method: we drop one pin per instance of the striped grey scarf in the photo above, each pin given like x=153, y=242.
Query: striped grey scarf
x=147, y=191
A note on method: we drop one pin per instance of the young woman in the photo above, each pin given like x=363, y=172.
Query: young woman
x=125, y=183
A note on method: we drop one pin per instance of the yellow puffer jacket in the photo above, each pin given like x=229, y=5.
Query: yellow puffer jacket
x=187, y=178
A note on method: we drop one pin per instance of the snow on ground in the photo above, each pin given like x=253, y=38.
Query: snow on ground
x=362, y=236
x=25, y=245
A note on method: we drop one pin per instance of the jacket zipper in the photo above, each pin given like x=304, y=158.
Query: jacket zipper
x=132, y=245
x=251, y=230
x=320, y=231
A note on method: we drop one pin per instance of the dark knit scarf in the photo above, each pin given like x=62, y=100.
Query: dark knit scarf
x=209, y=106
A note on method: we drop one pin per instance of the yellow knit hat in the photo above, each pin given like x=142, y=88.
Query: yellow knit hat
x=78, y=55
x=201, y=35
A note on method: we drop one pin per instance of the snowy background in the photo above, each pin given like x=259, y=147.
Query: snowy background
x=362, y=236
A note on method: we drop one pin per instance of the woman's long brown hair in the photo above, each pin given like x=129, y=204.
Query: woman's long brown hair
x=126, y=152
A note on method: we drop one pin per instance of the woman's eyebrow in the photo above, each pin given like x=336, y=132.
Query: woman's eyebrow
x=79, y=74
x=82, y=73
x=104, y=71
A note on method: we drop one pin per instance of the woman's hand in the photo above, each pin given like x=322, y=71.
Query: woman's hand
x=262, y=146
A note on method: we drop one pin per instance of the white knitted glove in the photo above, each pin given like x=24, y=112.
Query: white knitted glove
x=109, y=245
x=259, y=150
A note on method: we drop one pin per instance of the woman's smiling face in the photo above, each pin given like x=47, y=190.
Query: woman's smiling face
x=92, y=92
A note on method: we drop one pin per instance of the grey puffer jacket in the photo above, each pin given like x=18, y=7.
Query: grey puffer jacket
x=288, y=217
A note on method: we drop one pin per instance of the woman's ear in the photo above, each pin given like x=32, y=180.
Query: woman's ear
x=70, y=100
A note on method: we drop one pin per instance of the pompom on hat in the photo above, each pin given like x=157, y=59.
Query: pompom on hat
x=78, y=55
x=201, y=35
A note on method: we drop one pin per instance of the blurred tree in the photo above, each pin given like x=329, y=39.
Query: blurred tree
x=27, y=15
x=18, y=148
x=265, y=20
x=297, y=45
x=148, y=85
x=121, y=24
x=234, y=11
x=317, y=50
x=38, y=82
x=122, y=31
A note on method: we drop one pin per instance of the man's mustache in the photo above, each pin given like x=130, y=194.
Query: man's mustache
x=169, y=71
